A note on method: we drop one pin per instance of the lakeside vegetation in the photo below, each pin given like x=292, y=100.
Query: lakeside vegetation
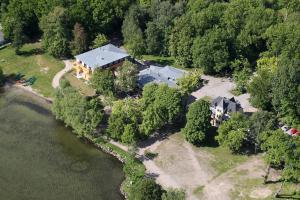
x=254, y=41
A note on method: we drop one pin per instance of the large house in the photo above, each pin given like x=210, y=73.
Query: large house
x=222, y=108
x=108, y=56
x=168, y=75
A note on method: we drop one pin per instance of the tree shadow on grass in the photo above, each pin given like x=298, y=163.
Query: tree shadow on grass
x=31, y=52
x=210, y=140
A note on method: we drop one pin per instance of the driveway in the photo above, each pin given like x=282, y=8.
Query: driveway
x=60, y=74
x=215, y=87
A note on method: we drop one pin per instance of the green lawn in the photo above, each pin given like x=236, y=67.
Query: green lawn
x=164, y=60
x=159, y=59
x=224, y=160
x=78, y=84
x=32, y=62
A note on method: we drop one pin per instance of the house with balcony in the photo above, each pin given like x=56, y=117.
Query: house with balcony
x=222, y=108
x=108, y=56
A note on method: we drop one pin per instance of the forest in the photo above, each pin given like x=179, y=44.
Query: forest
x=235, y=38
x=254, y=42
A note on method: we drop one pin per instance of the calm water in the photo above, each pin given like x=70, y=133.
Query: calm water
x=40, y=159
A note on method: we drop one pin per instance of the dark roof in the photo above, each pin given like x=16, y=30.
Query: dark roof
x=228, y=105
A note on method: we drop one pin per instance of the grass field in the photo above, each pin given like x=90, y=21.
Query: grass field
x=32, y=62
x=78, y=84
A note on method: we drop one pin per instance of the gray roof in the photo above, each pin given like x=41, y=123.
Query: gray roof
x=228, y=105
x=102, y=56
x=167, y=74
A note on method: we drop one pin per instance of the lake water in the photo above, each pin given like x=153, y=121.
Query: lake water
x=40, y=159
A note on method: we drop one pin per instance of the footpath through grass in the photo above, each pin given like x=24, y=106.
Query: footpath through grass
x=32, y=62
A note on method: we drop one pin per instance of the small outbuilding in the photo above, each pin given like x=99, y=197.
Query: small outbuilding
x=168, y=75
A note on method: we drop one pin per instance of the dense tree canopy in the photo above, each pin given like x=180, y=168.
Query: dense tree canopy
x=77, y=112
x=146, y=189
x=162, y=105
x=233, y=133
x=124, y=120
x=126, y=77
x=103, y=81
x=198, y=122
x=55, y=33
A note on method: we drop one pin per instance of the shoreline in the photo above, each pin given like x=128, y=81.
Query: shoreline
x=89, y=139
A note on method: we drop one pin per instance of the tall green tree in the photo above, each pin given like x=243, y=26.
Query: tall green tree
x=181, y=40
x=233, y=132
x=163, y=107
x=146, y=189
x=132, y=32
x=126, y=77
x=56, y=34
x=103, y=81
x=260, y=87
x=80, y=43
x=124, y=120
x=211, y=52
x=82, y=115
x=99, y=41
x=198, y=122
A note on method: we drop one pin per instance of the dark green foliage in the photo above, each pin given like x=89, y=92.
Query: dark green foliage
x=146, y=189
x=80, y=43
x=211, y=52
x=181, y=40
x=174, y=194
x=198, y=122
x=126, y=77
x=190, y=82
x=241, y=79
x=260, y=122
x=99, y=41
x=161, y=107
x=154, y=39
x=132, y=33
x=20, y=15
x=134, y=170
x=124, y=120
x=286, y=87
x=233, y=132
x=260, y=87
x=82, y=115
x=2, y=77
x=55, y=32
x=103, y=81
x=283, y=150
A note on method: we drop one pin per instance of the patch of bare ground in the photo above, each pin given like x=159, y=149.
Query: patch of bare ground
x=179, y=164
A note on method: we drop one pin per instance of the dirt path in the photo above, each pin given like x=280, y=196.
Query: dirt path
x=60, y=74
x=177, y=165
x=181, y=165
x=220, y=187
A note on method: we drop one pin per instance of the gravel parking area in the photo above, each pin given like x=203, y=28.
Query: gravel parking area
x=215, y=87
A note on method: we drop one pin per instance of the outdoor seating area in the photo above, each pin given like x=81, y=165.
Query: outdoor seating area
x=21, y=80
